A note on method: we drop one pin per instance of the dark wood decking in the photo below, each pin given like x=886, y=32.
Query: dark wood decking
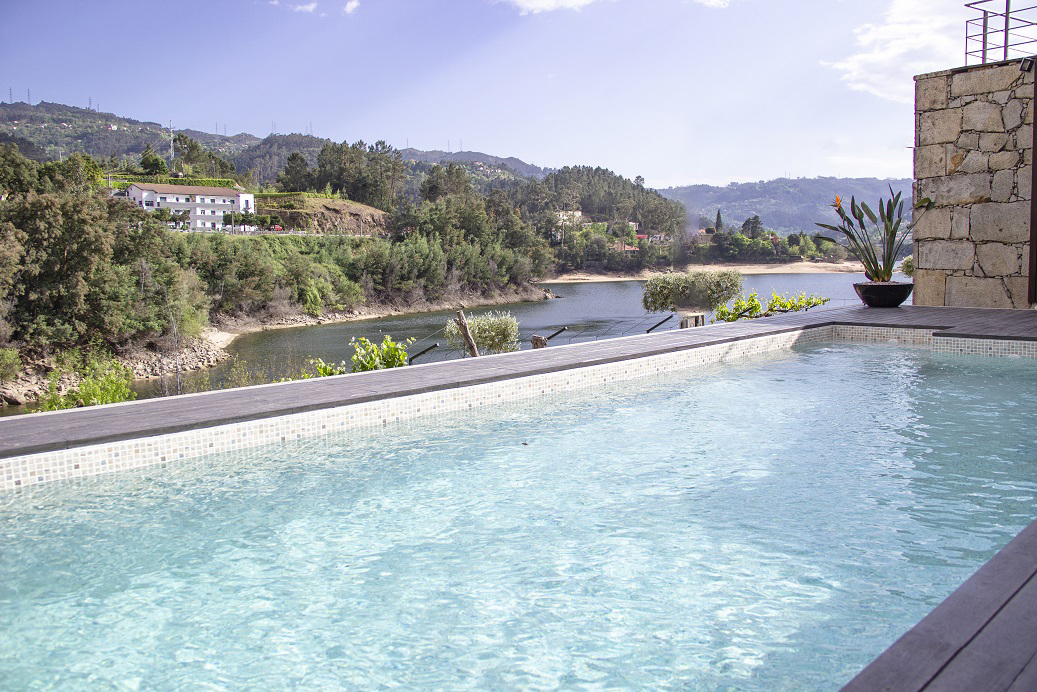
x=45, y=432
x=983, y=637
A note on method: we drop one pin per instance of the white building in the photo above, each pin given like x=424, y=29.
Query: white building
x=207, y=205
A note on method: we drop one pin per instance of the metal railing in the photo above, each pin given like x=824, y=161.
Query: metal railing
x=1000, y=32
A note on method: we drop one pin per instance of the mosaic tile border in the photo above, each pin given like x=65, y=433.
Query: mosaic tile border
x=23, y=471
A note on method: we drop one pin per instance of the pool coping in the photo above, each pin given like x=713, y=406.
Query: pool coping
x=69, y=429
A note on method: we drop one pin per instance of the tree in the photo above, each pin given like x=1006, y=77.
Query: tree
x=296, y=175
x=753, y=227
x=719, y=223
x=152, y=163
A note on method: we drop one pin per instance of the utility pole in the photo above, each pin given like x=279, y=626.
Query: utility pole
x=170, y=145
x=28, y=96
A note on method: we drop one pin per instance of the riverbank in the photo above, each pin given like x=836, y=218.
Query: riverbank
x=789, y=268
x=209, y=348
x=230, y=328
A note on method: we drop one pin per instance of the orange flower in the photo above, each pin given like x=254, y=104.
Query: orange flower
x=838, y=203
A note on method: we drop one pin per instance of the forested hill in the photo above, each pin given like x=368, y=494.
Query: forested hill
x=57, y=130
x=527, y=170
x=60, y=130
x=786, y=205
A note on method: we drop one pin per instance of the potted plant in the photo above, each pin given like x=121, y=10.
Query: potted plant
x=876, y=241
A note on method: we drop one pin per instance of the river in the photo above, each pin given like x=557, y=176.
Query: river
x=590, y=310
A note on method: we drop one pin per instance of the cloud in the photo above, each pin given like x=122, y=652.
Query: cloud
x=309, y=7
x=351, y=7
x=713, y=3
x=537, y=6
x=273, y=2
x=916, y=36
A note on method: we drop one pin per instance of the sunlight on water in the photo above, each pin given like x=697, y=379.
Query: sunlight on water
x=772, y=524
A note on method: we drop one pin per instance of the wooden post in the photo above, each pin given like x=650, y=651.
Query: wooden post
x=462, y=324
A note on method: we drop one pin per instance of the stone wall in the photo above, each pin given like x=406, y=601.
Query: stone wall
x=973, y=159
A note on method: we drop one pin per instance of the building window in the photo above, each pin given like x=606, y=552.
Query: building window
x=212, y=200
x=214, y=224
x=149, y=204
x=161, y=199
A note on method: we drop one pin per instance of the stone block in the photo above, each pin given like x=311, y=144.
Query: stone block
x=1012, y=114
x=930, y=161
x=976, y=292
x=1024, y=91
x=955, y=157
x=975, y=162
x=1003, y=187
x=1024, y=138
x=949, y=255
x=960, y=219
x=934, y=223
x=1002, y=160
x=1001, y=222
x=968, y=140
x=1024, y=182
x=940, y=127
x=984, y=80
x=993, y=141
x=931, y=94
x=930, y=285
x=997, y=259
x=1018, y=291
x=982, y=116
x=954, y=190
x=1001, y=97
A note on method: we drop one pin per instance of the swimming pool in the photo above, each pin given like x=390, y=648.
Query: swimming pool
x=771, y=523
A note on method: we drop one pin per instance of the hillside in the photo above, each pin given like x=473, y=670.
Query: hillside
x=328, y=216
x=60, y=130
x=527, y=170
x=783, y=204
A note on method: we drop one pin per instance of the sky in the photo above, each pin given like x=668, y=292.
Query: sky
x=677, y=91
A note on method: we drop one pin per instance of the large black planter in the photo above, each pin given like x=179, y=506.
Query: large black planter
x=883, y=294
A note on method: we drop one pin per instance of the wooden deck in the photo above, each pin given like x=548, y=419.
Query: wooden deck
x=983, y=637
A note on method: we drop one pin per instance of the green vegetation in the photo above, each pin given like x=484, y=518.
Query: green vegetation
x=696, y=289
x=494, y=332
x=751, y=307
x=101, y=381
x=371, y=356
x=907, y=265
x=877, y=245
x=10, y=364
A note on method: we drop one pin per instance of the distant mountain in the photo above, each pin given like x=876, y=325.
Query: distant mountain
x=516, y=165
x=60, y=130
x=786, y=205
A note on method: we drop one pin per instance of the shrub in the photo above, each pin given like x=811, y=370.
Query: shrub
x=10, y=364
x=702, y=289
x=101, y=381
x=371, y=356
x=907, y=265
x=494, y=332
x=751, y=307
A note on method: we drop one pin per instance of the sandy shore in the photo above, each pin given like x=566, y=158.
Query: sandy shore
x=791, y=268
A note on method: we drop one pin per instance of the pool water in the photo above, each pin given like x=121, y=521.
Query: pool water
x=769, y=524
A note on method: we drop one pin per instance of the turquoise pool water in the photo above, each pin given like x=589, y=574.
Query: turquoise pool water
x=769, y=524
